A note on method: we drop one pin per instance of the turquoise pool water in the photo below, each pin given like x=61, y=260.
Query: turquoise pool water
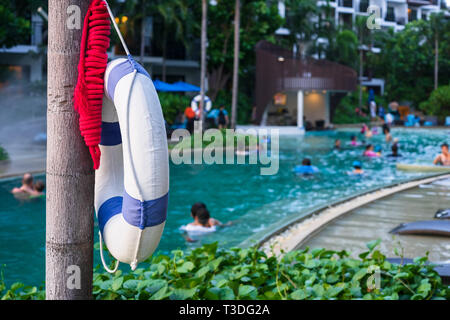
x=231, y=192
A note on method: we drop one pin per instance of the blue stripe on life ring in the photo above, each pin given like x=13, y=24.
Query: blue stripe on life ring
x=108, y=209
x=120, y=71
x=117, y=73
x=110, y=134
x=143, y=214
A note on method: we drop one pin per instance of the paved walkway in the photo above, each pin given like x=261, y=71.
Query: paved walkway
x=22, y=121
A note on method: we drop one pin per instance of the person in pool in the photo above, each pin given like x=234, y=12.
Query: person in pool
x=306, y=168
x=337, y=144
x=369, y=152
x=444, y=157
x=27, y=189
x=39, y=187
x=394, y=150
x=357, y=168
x=353, y=141
x=387, y=133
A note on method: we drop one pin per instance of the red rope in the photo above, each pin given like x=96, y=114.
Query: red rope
x=88, y=95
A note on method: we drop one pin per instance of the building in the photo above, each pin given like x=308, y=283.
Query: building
x=25, y=61
x=297, y=92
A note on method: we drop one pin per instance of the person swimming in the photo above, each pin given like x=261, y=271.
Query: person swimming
x=353, y=141
x=306, y=168
x=357, y=168
x=394, y=150
x=387, y=133
x=337, y=144
x=203, y=223
x=28, y=189
x=369, y=151
x=444, y=157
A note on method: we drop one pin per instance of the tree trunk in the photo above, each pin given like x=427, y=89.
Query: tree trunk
x=70, y=177
x=164, y=54
x=436, y=62
x=361, y=71
x=234, y=97
x=142, y=53
x=203, y=59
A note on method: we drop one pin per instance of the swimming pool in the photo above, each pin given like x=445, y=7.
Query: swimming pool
x=231, y=192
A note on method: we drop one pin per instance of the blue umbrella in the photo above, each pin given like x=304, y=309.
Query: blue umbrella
x=187, y=86
x=165, y=87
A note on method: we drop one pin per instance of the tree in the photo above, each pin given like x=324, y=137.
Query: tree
x=70, y=177
x=438, y=104
x=438, y=23
x=407, y=60
x=15, y=26
x=262, y=19
x=237, y=20
x=174, y=14
x=299, y=17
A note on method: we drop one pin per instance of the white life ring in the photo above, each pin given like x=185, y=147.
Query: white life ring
x=132, y=183
x=195, y=103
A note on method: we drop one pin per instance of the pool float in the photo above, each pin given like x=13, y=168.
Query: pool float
x=431, y=227
x=422, y=167
x=195, y=103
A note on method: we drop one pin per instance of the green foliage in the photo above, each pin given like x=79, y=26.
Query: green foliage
x=212, y=273
x=14, y=29
x=172, y=104
x=346, y=110
x=438, y=104
x=407, y=59
x=3, y=154
x=244, y=108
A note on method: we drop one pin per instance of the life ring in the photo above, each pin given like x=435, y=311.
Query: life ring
x=132, y=182
x=195, y=103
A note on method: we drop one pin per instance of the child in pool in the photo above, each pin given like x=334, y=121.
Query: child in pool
x=353, y=141
x=357, y=168
x=369, y=152
x=444, y=157
x=306, y=168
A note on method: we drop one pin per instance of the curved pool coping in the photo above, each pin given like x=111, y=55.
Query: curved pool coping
x=350, y=203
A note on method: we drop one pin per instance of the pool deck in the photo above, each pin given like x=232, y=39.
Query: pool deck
x=297, y=233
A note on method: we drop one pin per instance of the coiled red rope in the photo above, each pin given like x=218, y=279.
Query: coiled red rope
x=88, y=96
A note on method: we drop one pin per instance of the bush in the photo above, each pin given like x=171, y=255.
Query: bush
x=172, y=104
x=244, y=105
x=212, y=273
x=438, y=104
x=345, y=113
x=3, y=154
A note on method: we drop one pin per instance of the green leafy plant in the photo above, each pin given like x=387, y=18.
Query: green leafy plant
x=3, y=154
x=438, y=104
x=172, y=104
x=212, y=273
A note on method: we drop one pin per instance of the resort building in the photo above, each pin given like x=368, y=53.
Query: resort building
x=25, y=62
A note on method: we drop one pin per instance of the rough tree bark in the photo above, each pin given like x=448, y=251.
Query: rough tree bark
x=70, y=177
x=237, y=19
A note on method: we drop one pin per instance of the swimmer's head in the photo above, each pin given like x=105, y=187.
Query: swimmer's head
x=306, y=162
x=353, y=138
x=203, y=216
x=369, y=147
x=39, y=186
x=444, y=147
x=27, y=179
x=196, y=207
